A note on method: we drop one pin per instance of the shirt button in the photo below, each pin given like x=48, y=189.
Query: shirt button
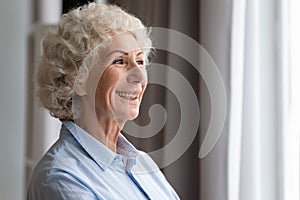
x=117, y=158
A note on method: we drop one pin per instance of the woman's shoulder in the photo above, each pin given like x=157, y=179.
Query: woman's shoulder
x=61, y=157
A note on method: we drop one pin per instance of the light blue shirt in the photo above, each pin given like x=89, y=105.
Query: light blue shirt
x=78, y=166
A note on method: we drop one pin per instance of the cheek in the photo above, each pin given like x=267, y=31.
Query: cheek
x=106, y=86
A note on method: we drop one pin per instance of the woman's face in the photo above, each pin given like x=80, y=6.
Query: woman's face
x=122, y=84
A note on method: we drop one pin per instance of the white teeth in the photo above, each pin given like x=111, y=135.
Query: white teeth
x=126, y=95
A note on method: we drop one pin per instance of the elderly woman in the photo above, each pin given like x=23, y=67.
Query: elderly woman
x=92, y=77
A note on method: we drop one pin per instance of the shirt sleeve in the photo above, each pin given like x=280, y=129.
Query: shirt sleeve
x=62, y=186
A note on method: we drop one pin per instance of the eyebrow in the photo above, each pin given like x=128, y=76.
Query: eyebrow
x=122, y=52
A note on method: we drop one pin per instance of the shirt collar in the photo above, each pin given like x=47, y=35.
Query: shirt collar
x=103, y=156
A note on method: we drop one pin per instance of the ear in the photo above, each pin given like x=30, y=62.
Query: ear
x=80, y=89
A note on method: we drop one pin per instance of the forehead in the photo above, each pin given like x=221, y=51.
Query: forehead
x=123, y=41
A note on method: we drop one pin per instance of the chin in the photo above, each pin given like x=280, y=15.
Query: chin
x=124, y=117
x=133, y=115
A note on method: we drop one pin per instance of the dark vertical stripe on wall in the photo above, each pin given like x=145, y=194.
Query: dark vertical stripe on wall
x=35, y=7
x=184, y=173
x=70, y=4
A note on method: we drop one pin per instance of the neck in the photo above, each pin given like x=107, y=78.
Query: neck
x=111, y=131
x=105, y=129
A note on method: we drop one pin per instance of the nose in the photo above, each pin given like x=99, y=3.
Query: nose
x=137, y=74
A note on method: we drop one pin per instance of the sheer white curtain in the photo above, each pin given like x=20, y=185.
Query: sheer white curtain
x=263, y=158
x=244, y=139
x=290, y=62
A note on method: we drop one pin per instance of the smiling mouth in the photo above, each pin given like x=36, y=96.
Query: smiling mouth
x=128, y=95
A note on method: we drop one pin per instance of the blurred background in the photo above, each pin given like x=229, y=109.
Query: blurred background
x=255, y=45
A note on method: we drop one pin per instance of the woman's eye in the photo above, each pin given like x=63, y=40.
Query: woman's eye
x=140, y=62
x=118, y=62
